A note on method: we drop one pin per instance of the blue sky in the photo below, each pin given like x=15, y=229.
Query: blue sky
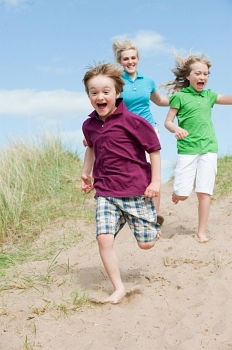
x=46, y=46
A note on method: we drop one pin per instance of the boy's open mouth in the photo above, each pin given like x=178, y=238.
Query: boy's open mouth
x=101, y=105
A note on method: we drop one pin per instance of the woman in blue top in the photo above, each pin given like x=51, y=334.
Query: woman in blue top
x=138, y=90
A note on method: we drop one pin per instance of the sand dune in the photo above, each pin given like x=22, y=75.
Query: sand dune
x=179, y=293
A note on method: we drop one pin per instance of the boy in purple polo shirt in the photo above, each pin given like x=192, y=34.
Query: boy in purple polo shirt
x=124, y=181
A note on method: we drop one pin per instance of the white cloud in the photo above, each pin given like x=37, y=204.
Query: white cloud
x=150, y=41
x=43, y=104
x=147, y=41
x=13, y=3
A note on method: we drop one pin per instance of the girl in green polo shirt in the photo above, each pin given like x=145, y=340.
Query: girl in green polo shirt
x=197, y=146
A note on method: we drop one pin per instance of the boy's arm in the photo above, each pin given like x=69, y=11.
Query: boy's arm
x=153, y=188
x=175, y=129
x=224, y=100
x=159, y=100
x=86, y=177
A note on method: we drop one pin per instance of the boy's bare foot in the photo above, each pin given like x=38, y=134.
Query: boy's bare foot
x=116, y=296
x=175, y=198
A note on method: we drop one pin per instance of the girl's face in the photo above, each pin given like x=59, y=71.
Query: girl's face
x=129, y=61
x=102, y=95
x=198, y=76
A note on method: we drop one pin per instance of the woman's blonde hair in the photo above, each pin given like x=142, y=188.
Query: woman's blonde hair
x=109, y=70
x=120, y=46
x=183, y=69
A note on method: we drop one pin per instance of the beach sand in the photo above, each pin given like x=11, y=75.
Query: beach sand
x=179, y=293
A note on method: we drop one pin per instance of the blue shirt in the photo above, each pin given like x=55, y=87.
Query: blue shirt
x=136, y=95
x=119, y=144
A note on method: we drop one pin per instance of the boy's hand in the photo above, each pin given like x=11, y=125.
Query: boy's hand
x=180, y=133
x=86, y=184
x=152, y=190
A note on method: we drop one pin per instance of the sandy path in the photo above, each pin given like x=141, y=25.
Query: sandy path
x=181, y=295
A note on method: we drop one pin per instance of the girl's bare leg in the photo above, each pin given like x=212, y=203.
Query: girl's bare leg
x=110, y=262
x=203, y=215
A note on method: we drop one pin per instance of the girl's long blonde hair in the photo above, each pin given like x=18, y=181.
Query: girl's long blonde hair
x=183, y=69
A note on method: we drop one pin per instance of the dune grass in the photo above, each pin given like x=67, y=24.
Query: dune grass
x=224, y=177
x=38, y=183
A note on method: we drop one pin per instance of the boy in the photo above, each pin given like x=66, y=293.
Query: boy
x=124, y=181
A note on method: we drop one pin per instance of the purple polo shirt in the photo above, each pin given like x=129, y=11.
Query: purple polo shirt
x=120, y=167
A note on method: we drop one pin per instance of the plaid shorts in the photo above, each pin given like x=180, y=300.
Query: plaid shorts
x=138, y=212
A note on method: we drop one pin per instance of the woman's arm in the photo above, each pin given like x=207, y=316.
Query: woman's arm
x=159, y=100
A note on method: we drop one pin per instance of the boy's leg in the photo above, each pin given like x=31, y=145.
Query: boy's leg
x=110, y=262
x=147, y=245
x=203, y=214
x=141, y=216
x=108, y=222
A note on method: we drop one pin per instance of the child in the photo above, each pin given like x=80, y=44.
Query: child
x=124, y=181
x=196, y=140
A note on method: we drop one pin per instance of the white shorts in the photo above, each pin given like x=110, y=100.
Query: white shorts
x=200, y=169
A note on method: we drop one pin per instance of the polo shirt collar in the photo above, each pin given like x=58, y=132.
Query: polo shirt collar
x=191, y=90
x=126, y=76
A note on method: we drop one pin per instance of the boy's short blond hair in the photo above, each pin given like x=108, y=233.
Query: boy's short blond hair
x=109, y=70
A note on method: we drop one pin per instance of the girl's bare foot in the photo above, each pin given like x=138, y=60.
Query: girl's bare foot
x=116, y=296
x=202, y=238
x=175, y=198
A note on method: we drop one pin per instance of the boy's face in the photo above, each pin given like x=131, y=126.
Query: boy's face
x=198, y=76
x=102, y=95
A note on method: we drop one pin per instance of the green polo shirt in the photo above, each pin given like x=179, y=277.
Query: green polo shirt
x=194, y=115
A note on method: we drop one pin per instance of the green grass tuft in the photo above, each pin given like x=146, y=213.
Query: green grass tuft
x=38, y=183
x=224, y=177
